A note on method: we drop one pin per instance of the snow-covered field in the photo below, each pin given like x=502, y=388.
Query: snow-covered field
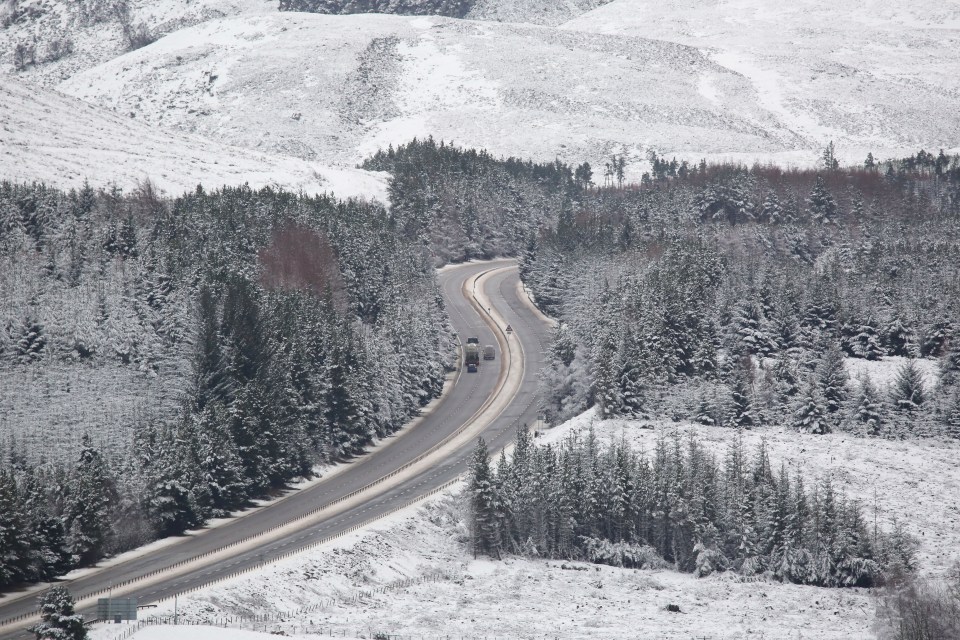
x=412, y=573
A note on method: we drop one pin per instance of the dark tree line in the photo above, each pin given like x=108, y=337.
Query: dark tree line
x=286, y=331
x=680, y=506
x=466, y=204
x=448, y=8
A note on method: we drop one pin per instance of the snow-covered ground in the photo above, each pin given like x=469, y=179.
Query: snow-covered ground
x=412, y=573
x=63, y=141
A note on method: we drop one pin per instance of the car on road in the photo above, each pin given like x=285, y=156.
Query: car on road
x=489, y=353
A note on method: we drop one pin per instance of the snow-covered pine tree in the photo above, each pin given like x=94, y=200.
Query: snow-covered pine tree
x=866, y=342
x=820, y=203
x=811, y=414
x=483, y=502
x=87, y=512
x=771, y=210
x=59, y=621
x=950, y=363
x=951, y=416
x=786, y=379
x=829, y=158
x=869, y=407
x=833, y=380
x=31, y=342
x=751, y=329
x=741, y=402
x=14, y=545
x=172, y=483
x=908, y=391
x=900, y=339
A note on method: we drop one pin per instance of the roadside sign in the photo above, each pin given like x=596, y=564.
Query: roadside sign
x=116, y=609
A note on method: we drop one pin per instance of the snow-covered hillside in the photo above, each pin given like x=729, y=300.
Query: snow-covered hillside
x=852, y=71
x=339, y=87
x=336, y=88
x=64, y=141
x=545, y=12
x=746, y=80
x=94, y=31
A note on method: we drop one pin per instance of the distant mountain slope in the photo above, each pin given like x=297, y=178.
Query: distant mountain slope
x=69, y=36
x=336, y=88
x=63, y=141
x=544, y=12
x=746, y=80
x=861, y=72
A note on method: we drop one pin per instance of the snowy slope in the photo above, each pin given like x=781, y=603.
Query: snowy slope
x=95, y=32
x=362, y=82
x=863, y=73
x=63, y=141
x=544, y=12
x=336, y=88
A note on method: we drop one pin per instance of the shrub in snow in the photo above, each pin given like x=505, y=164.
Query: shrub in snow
x=912, y=608
x=622, y=554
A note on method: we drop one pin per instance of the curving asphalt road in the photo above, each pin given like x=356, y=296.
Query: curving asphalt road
x=179, y=567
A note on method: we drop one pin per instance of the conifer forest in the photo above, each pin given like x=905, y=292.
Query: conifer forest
x=242, y=338
x=235, y=335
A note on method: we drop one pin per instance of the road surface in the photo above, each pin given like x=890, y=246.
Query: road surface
x=503, y=392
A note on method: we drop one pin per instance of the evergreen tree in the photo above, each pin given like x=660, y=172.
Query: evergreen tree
x=869, y=411
x=899, y=339
x=32, y=341
x=950, y=364
x=830, y=162
x=811, y=413
x=786, y=380
x=832, y=378
x=87, y=516
x=822, y=207
x=170, y=497
x=14, y=545
x=210, y=368
x=866, y=343
x=908, y=392
x=59, y=621
x=742, y=406
x=952, y=416
x=483, y=501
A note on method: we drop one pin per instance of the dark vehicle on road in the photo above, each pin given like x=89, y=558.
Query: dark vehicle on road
x=471, y=357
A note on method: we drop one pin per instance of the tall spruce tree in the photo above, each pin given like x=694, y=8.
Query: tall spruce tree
x=87, y=515
x=483, y=502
